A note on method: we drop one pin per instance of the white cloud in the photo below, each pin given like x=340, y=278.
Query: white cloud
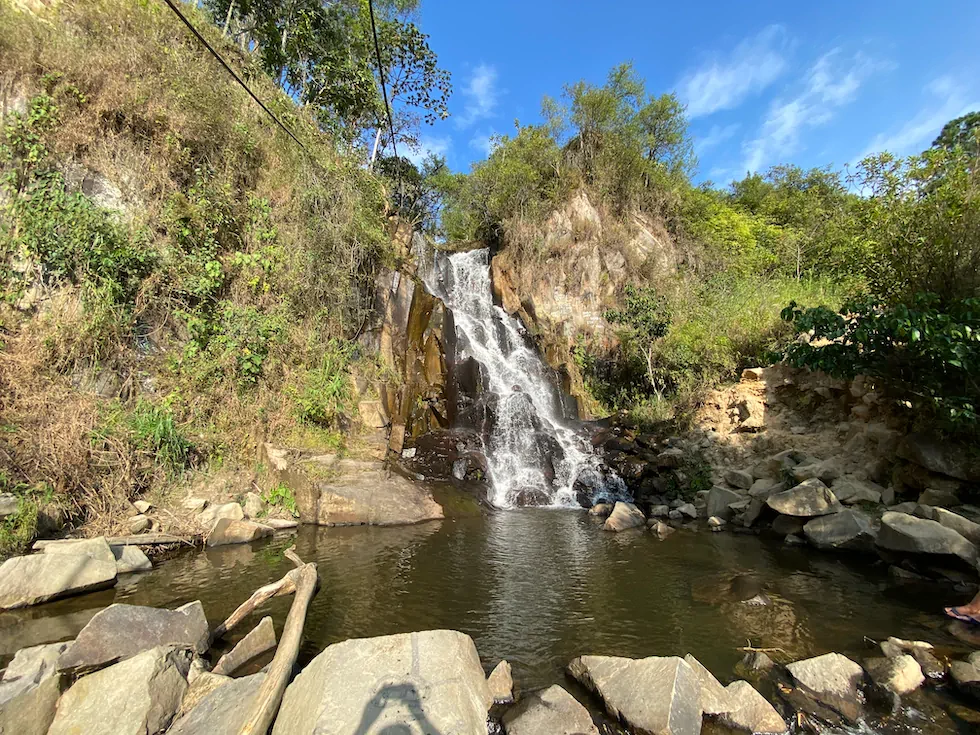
x=832, y=82
x=480, y=94
x=426, y=146
x=724, y=83
x=947, y=100
x=483, y=142
x=715, y=137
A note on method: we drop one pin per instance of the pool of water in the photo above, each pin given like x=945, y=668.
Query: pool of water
x=540, y=587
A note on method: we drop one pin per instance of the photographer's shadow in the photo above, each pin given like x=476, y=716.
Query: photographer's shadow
x=406, y=699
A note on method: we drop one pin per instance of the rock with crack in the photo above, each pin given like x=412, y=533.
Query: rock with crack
x=849, y=530
x=834, y=680
x=808, y=499
x=223, y=710
x=651, y=695
x=901, y=532
x=552, y=711
x=430, y=681
x=751, y=712
x=501, y=683
x=898, y=674
x=260, y=639
x=30, y=580
x=624, y=516
x=121, y=631
x=138, y=696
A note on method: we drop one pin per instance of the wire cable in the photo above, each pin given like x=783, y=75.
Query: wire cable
x=238, y=79
x=381, y=74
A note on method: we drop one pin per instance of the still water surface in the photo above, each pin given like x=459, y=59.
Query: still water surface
x=537, y=587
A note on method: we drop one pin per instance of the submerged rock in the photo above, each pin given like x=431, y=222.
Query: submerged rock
x=808, y=499
x=848, y=530
x=121, y=631
x=29, y=580
x=552, y=711
x=138, y=696
x=651, y=695
x=430, y=681
x=901, y=532
x=501, y=683
x=750, y=711
x=624, y=516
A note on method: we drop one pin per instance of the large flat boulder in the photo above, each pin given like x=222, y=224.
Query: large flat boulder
x=963, y=526
x=654, y=696
x=834, y=680
x=848, y=530
x=30, y=580
x=121, y=631
x=227, y=531
x=808, y=499
x=222, y=711
x=624, y=516
x=751, y=712
x=365, y=493
x=901, y=532
x=138, y=696
x=96, y=548
x=552, y=711
x=431, y=681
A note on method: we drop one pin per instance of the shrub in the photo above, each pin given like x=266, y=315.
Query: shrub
x=324, y=394
x=282, y=497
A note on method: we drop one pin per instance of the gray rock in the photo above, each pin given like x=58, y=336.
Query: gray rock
x=32, y=711
x=623, y=516
x=140, y=523
x=901, y=532
x=899, y=674
x=808, y=499
x=750, y=711
x=753, y=511
x=260, y=639
x=660, y=511
x=788, y=525
x=849, y=530
x=601, y=510
x=279, y=524
x=688, y=509
x=29, y=668
x=651, y=695
x=939, y=498
x=121, y=631
x=430, y=681
x=227, y=531
x=217, y=706
x=661, y=530
x=965, y=528
x=716, y=524
x=130, y=559
x=552, y=711
x=850, y=490
x=231, y=511
x=501, y=683
x=714, y=698
x=95, y=548
x=939, y=456
x=739, y=478
x=29, y=580
x=670, y=459
x=967, y=678
x=754, y=664
x=825, y=471
x=254, y=505
x=908, y=507
x=834, y=679
x=9, y=504
x=138, y=696
x=200, y=683
x=142, y=506
x=719, y=498
x=195, y=505
x=367, y=493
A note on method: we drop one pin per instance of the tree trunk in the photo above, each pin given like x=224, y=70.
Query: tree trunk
x=231, y=9
x=374, y=150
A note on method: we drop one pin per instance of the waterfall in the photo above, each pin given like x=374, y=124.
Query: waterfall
x=534, y=456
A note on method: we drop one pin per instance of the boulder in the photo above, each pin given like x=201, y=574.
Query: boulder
x=32, y=711
x=670, y=459
x=661, y=530
x=430, y=681
x=808, y=499
x=260, y=639
x=253, y=505
x=651, y=695
x=95, y=548
x=552, y=711
x=139, y=524
x=29, y=668
x=739, y=478
x=750, y=711
x=362, y=493
x=966, y=676
x=921, y=651
x=688, y=510
x=659, y=511
x=601, y=510
x=850, y=491
x=501, y=683
x=226, y=531
x=788, y=525
x=29, y=580
x=623, y=516
x=195, y=505
x=714, y=698
x=939, y=498
x=901, y=532
x=9, y=504
x=834, y=680
x=138, y=696
x=965, y=528
x=939, y=456
x=849, y=530
x=121, y=631
x=752, y=511
x=199, y=685
x=719, y=498
x=231, y=511
x=826, y=471
x=899, y=674
x=130, y=559
x=216, y=705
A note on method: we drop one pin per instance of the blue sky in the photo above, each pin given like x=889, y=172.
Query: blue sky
x=765, y=82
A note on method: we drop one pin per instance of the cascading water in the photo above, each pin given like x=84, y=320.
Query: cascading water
x=534, y=456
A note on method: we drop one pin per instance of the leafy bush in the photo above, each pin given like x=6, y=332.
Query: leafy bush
x=154, y=430
x=282, y=497
x=325, y=390
x=926, y=353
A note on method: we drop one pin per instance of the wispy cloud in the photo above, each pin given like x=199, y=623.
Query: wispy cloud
x=715, y=137
x=832, y=82
x=427, y=146
x=483, y=142
x=480, y=94
x=724, y=83
x=947, y=99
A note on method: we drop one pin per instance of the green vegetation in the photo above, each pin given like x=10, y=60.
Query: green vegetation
x=282, y=497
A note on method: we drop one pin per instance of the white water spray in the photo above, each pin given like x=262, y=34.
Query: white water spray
x=529, y=427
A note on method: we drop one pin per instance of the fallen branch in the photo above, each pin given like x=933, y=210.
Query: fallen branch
x=266, y=703
x=752, y=649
